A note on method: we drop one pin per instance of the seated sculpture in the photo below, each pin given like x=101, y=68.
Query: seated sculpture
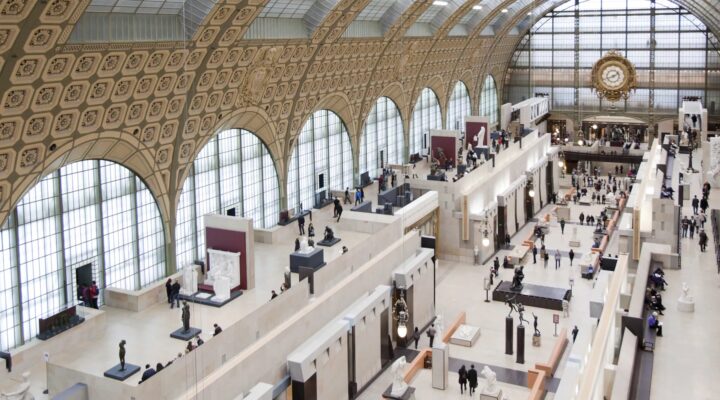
x=517, y=279
x=329, y=234
x=491, y=388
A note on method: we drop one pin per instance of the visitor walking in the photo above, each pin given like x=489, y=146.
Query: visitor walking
x=168, y=290
x=534, y=253
x=301, y=224
x=571, y=254
x=562, y=226
x=582, y=219
x=704, y=204
x=416, y=336
x=695, y=204
x=472, y=379
x=546, y=258
x=462, y=378
x=431, y=334
x=558, y=257
x=574, y=333
x=703, y=240
x=347, y=196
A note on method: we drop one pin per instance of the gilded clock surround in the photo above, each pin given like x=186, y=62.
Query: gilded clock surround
x=608, y=90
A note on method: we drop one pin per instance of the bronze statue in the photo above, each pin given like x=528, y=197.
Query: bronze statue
x=122, y=355
x=537, y=332
x=521, y=310
x=510, y=301
x=517, y=279
x=185, y=316
x=329, y=234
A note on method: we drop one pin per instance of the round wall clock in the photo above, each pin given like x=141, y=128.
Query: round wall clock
x=613, y=77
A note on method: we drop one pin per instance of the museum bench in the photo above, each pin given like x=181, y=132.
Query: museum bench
x=556, y=356
x=517, y=254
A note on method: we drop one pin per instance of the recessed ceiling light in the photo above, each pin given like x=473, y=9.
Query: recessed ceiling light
x=529, y=12
x=440, y=3
x=477, y=7
x=504, y=10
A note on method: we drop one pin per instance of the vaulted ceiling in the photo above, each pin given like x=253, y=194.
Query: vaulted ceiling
x=151, y=105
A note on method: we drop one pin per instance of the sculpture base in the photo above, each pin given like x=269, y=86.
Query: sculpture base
x=117, y=374
x=408, y=395
x=185, y=334
x=533, y=295
x=685, y=305
x=574, y=243
x=208, y=299
x=491, y=396
x=329, y=243
x=465, y=335
x=536, y=340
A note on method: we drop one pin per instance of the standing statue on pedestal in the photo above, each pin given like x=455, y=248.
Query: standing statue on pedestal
x=121, y=354
x=521, y=310
x=535, y=317
x=510, y=301
x=399, y=387
x=517, y=279
x=185, y=316
x=491, y=388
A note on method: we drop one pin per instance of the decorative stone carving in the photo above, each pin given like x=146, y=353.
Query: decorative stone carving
x=29, y=157
x=399, y=387
x=258, y=77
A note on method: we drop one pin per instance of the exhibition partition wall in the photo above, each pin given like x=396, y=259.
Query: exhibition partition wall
x=233, y=234
x=476, y=131
x=416, y=275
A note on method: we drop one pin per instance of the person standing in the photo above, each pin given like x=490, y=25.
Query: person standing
x=496, y=264
x=416, y=336
x=546, y=258
x=339, y=211
x=582, y=219
x=431, y=334
x=175, y=294
x=692, y=228
x=562, y=226
x=462, y=378
x=703, y=239
x=94, y=294
x=357, y=196
x=472, y=377
x=347, y=196
x=685, y=224
x=695, y=204
x=168, y=290
x=574, y=333
x=558, y=257
x=571, y=254
x=301, y=224
x=534, y=253
x=704, y=204
x=507, y=239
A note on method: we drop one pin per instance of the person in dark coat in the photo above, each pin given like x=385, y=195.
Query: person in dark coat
x=149, y=372
x=301, y=224
x=703, y=240
x=571, y=254
x=582, y=219
x=168, y=290
x=695, y=204
x=472, y=379
x=416, y=336
x=175, y=295
x=704, y=204
x=462, y=379
x=534, y=252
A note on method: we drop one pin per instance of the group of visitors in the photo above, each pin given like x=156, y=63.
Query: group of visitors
x=90, y=294
x=653, y=299
x=172, y=289
x=697, y=221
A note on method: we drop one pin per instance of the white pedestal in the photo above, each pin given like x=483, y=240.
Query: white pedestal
x=221, y=287
x=574, y=243
x=686, y=305
x=440, y=364
x=465, y=335
x=492, y=396
x=190, y=280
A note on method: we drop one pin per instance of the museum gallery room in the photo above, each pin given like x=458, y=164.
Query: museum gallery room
x=359, y=199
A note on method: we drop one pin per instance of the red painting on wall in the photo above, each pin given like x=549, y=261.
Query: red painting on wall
x=443, y=149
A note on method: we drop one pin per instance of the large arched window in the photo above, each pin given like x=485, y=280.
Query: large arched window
x=684, y=60
x=382, y=137
x=95, y=213
x=458, y=107
x=489, y=101
x=321, y=161
x=426, y=115
x=233, y=174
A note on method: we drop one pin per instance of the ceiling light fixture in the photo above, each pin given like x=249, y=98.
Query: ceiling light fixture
x=477, y=7
x=440, y=3
x=504, y=10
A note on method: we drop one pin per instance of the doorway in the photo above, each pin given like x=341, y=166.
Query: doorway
x=83, y=277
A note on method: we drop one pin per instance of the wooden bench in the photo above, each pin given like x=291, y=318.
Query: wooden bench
x=554, y=361
x=536, y=384
x=453, y=327
x=417, y=364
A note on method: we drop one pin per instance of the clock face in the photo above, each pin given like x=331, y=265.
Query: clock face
x=613, y=77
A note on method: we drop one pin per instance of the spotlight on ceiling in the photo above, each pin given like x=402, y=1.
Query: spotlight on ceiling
x=504, y=10
x=440, y=3
x=529, y=12
x=477, y=7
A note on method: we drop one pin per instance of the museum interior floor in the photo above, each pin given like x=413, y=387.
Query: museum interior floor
x=686, y=353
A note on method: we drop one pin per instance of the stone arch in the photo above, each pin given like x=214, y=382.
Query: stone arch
x=119, y=147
